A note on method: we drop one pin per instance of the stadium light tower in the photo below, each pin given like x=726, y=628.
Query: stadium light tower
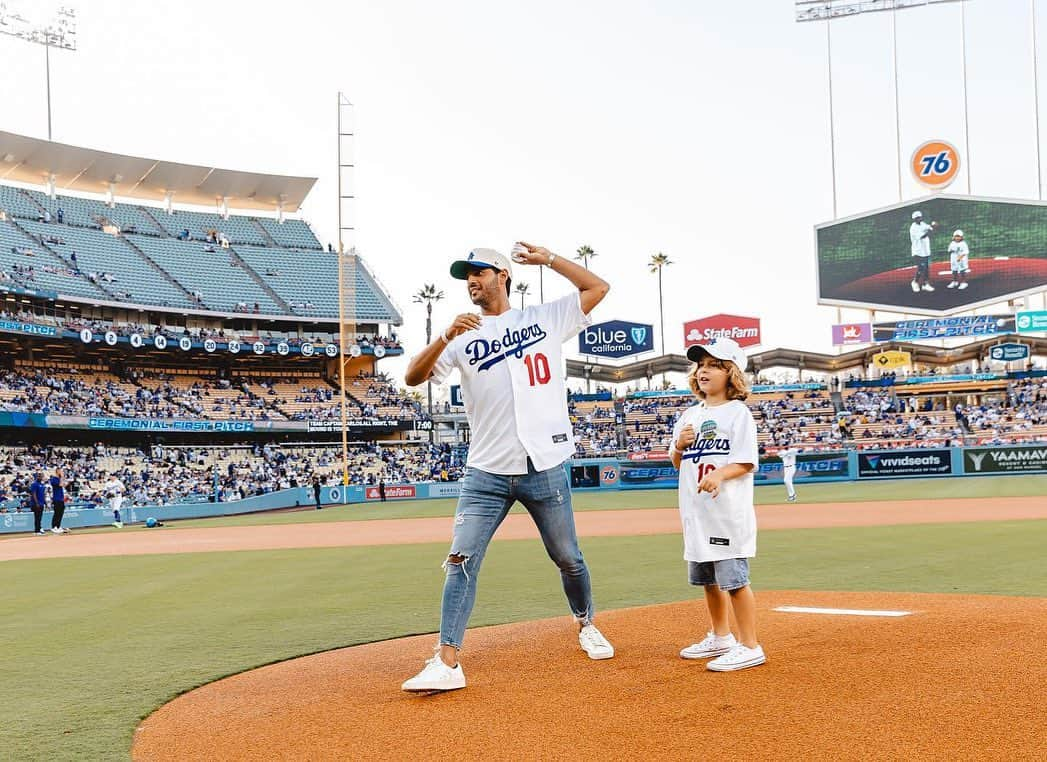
x=828, y=10
x=821, y=10
x=42, y=23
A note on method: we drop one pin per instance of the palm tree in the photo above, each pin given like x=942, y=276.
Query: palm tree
x=658, y=261
x=426, y=295
x=585, y=253
x=522, y=289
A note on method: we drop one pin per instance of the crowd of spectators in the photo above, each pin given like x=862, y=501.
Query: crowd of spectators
x=140, y=393
x=169, y=475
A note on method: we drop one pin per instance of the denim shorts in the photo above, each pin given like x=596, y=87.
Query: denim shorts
x=729, y=574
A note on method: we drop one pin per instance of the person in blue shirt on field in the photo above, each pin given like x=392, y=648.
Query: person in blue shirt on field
x=37, y=500
x=57, y=501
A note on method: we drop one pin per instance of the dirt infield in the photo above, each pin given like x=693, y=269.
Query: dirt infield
x=962, y=678
x=517, y=526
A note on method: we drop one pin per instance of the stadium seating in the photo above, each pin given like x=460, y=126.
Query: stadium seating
x=19, y=253
x=100, y=253
x=315, y=274
x=18, y=203
x=221, y=281
x=236, y=228
x=303, y=278
x=293, y=234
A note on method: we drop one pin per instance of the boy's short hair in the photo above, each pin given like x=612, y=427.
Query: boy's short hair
x=737, y=385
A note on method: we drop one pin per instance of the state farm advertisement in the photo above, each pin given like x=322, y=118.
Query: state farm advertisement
x=744, y=330
x=394, y=492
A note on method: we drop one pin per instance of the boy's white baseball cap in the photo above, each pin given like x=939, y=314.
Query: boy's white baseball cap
x=917, y=214
x=957, y=233
x=721, y=349
x=481, y=258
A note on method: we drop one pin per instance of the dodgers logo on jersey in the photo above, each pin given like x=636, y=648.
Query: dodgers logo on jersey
x=707, y=443
x=488, y=353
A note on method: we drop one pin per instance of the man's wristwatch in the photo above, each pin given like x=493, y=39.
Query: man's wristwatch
x=552, y=258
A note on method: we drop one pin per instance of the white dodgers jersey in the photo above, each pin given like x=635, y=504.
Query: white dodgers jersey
x=721, y=527
x=513, y=387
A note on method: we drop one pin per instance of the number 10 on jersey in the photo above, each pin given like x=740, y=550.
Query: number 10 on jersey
x=538, y=369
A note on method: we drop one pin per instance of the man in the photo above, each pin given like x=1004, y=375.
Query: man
x=788, y=456
x=510, y=363
x=920, y=238
x=38, y=501
x=959, y=254
x=381, y=488
x=316, y=492
x=114, y=490
x=57, y=501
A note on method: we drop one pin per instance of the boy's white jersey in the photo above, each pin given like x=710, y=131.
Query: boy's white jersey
x=723, y=527
x=114, y=487
x=921, y=244
x=788, y=456
x=513, y=385
x=958, y=256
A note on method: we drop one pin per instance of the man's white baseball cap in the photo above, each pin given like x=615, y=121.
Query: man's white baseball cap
x=917, y=215
x=721, y=349
x=957, y=233
x=481, y=258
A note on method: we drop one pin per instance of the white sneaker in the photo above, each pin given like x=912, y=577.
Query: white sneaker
x=42, y=532
x=963, y=285
x=928, y=287
x=56, y=530
x=436, y=676
x=118, y=524
x=791, y=498
x=594, y=643
x=952, y=284
x=713, y=645
x=738, y=657
x=915, y=286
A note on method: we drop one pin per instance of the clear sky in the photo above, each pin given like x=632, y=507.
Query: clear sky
x=697, y=129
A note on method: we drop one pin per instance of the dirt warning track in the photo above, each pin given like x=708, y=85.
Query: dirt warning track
x=516, y=527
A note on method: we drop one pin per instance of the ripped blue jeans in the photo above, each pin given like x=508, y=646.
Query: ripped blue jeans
x=484, y=502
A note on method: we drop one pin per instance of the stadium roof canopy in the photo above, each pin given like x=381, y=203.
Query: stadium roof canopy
x=32, y=160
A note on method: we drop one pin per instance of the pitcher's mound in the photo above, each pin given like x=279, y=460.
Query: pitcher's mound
x=962, y=677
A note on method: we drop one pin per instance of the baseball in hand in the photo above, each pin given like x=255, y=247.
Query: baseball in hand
x=519, y=253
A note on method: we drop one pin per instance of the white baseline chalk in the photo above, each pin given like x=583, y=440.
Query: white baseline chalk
x=839, y=612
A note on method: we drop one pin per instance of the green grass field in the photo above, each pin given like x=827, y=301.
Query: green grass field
x=94, y=645
x=828, y=492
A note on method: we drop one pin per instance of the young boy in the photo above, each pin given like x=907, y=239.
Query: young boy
x=714, y=447
x=959, y=254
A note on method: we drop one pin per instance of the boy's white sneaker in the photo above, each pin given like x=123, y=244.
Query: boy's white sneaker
x=594, y=643
x=436, y=676
x=737, y=658
x=962, y=286
x=915, y=286
x=713, y=645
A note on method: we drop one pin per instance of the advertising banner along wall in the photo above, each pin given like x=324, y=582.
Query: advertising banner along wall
x=1004, y=460
x=904, y=463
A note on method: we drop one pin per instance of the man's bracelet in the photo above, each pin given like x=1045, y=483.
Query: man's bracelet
x=444, y=337
x=676, y=449
x=552, y=258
